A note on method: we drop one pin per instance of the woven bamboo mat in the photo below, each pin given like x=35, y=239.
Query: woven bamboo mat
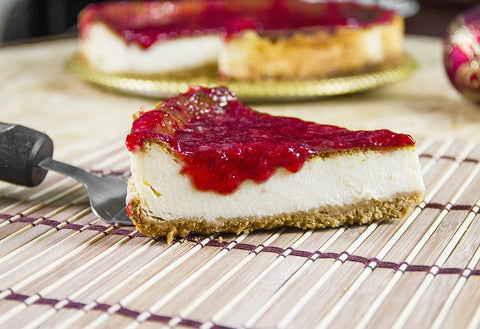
x=61, y=267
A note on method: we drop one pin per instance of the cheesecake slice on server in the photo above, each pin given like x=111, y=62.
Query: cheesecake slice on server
x=203, y=162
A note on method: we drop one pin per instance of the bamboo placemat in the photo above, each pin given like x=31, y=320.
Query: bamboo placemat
x=62, y=267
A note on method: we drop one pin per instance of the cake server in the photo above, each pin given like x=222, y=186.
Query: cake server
x=26, y=157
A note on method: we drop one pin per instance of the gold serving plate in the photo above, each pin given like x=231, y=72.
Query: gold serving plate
x=161, y=86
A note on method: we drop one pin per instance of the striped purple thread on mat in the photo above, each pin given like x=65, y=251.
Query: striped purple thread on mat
x=69, y=226
x=449, y=157
x=129, y=313
x=256, y=249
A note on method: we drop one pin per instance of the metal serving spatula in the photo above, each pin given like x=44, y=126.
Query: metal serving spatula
x=26, y=156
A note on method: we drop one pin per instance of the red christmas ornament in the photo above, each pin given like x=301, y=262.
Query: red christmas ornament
x=462, y=53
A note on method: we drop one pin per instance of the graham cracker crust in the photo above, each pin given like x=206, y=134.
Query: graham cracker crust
x=363, y=212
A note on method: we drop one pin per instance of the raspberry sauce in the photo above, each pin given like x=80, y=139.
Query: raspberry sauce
x=145, y=23
x=222, y=142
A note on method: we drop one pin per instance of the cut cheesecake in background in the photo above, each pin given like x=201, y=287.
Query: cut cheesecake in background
x=203, y=162
x=244, y=40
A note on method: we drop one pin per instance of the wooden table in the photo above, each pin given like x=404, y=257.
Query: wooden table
x=62, y=267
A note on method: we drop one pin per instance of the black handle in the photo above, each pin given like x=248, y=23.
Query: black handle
x=21, y=149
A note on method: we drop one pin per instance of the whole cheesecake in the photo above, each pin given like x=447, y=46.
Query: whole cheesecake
x=203, y=162
x=244, y=40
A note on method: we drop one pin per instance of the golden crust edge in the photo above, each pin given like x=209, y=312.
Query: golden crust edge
x=301, y=55
x=364, y=212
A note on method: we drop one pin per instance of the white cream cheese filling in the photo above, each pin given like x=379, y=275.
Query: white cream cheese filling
x=337, y=180
x=109, y=53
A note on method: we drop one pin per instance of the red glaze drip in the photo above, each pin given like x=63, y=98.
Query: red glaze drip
x=222, y=142
x=151, y=21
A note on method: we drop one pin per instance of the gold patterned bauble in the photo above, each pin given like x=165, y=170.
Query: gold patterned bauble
x=161, y=86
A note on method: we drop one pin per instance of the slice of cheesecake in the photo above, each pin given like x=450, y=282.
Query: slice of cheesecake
x=203, y=162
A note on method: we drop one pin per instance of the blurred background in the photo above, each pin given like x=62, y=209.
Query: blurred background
x=27, y=20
